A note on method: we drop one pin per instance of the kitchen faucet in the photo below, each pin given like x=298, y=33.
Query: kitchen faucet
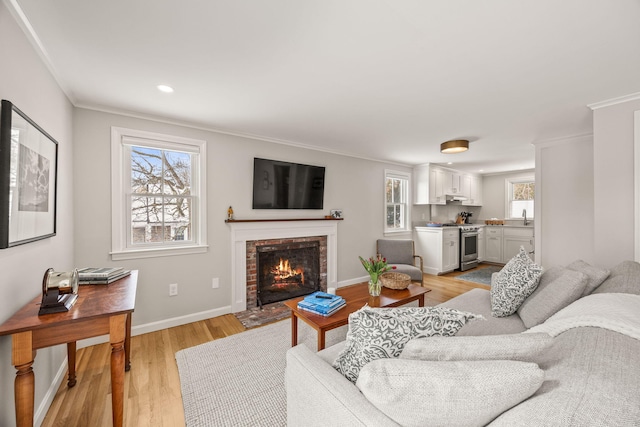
x=524, y=215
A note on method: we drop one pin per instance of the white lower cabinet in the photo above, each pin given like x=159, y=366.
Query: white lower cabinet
x=439, y=248
x=503, y=243
x=513, y=239
x=493, y=244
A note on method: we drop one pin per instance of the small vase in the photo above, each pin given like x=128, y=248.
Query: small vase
x=374, y=288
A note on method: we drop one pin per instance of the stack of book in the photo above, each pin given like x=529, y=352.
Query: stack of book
x=101, y=275
x=322, y=303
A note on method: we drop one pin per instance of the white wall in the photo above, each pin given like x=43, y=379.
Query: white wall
x=613, y=130
x=494, y=192
x=353, y=185
x=25, y=81
x=564, y=201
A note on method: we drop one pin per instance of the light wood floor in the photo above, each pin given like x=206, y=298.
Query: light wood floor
x=152, y=386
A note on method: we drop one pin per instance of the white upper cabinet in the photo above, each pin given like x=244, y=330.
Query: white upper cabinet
x=432, y=183
x=475, y=191
x=428, y=185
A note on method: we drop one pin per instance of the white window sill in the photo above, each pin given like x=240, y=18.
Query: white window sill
x=158, y=252
x=399, y=233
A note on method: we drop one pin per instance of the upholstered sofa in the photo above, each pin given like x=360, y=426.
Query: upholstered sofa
x=577, y=337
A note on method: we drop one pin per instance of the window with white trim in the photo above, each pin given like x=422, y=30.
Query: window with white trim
x=158, y=194
x=520, y=197
x=397, y=208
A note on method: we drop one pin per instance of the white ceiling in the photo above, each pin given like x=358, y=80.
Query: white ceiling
x=381, y=79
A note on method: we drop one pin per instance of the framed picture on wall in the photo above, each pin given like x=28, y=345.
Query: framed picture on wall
x=28, y=179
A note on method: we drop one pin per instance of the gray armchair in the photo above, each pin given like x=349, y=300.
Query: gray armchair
x=402, y=255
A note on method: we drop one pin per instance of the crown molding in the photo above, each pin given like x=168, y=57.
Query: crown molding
x=615, y=101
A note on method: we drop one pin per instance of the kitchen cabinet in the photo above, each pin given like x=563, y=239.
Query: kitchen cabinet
x=465, y=187
x=436, y=187
x=480, y=244
x=493, y=244
x=513, y=238
x=503, y=243
x=475, y=191
x=431, y=185
x=428, y=185
x=439, y=248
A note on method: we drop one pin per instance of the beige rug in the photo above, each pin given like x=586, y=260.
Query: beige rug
x=239, y=380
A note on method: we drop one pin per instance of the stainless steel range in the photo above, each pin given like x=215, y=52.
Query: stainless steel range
x=468, y=247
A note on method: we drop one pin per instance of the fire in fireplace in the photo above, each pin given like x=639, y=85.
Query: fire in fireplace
x=287, y=271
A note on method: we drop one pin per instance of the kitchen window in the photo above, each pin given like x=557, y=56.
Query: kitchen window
x=158, y=194
x=397, y=205
x=520, y=197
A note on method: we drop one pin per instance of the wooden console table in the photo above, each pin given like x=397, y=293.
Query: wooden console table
x=99, y=310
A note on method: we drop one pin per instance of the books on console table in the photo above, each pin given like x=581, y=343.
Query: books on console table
x=101, y=275
x=322, y=303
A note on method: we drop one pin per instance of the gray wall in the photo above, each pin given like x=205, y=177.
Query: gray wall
x=353, y=185
x=25, y=81
x=613, y=129
x=494, y=192
x=564, y=201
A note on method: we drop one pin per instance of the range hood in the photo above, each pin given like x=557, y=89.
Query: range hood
x=455, y=198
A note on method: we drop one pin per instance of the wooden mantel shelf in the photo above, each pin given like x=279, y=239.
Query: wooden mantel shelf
x=282, y=219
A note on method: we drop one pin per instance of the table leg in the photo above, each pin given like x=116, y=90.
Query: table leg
x=22, y=358
x=321, y=340
x=421, y=301
x=117, y=335
x=294, y=329
x=127, y=345
x=71, y=362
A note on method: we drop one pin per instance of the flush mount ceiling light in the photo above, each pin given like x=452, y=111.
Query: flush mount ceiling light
x=455, y=146
x=165, y=88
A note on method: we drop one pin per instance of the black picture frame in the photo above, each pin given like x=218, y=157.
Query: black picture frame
x=28, y=179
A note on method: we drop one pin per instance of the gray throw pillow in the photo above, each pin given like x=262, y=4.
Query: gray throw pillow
x=620, y=284
x=470, y=393
x=625, y=268
x=521, y=347
x=376, y=333
x=513, y=284
x=596, y=275
x=558, y=288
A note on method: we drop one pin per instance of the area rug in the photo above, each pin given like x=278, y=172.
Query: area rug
x=480, y=275
x=239, y=380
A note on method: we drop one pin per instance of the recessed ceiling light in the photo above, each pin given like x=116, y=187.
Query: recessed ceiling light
x=165, y=88
x=449, y=163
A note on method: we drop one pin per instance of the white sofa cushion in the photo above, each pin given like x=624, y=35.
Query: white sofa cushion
x=558, y=288
x=522, y=347
x=513, y=284
x=470, y=393
x=376, y=333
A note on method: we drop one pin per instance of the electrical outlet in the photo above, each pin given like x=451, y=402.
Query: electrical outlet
x=215, y=283
x=173, y=289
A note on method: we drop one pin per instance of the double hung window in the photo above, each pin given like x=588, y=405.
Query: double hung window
x=520, y=196
x=396, y=202
x=158, y=198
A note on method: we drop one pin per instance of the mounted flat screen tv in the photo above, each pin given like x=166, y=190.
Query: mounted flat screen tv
x=284, y=185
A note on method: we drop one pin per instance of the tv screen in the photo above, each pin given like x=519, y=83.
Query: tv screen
x=284, y=185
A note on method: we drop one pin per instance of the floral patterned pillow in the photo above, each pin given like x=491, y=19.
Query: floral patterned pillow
x=376, y=333
x=513, y=284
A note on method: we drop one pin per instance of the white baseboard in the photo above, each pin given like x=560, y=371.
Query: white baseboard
x=161, y=324
x=43, y=407
x=353, y=281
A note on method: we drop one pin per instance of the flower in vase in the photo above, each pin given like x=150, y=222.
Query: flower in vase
x=375, y=267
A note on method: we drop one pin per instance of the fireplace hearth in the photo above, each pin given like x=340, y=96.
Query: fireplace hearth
x=287, y=270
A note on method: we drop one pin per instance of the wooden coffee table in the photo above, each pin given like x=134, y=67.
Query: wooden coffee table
x=356, y=297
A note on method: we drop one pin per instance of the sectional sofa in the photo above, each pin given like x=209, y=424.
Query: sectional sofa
x=568, y=356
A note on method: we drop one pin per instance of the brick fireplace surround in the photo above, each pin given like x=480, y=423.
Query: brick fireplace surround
x=252, y=276
x=245, y=233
